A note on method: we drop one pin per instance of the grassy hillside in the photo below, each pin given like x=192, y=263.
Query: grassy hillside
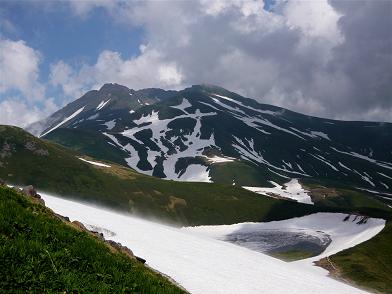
x=41, y=254
x=369, y=264
x=25, y=159
x=87, y=142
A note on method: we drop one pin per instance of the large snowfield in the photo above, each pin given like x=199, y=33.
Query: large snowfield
x=197, y=260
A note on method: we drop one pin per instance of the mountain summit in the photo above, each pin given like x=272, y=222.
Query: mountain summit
x=207, y=133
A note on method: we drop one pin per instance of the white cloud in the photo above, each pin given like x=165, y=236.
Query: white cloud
x=22, y=96
x=309, y=56
x=19, y=68
x=145, y=70
x=17, y=112
x=315, y=19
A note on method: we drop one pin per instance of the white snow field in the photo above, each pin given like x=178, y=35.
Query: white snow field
x=291, y=189
x=94, y=162
x=202, y=264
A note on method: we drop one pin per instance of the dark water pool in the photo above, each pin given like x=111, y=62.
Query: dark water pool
x=276, y=241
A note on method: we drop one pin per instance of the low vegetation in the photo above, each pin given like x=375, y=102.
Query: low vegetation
x=368, y=265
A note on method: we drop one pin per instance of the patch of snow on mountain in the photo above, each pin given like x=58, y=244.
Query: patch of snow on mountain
x=110, y=124
x=320, y=134
x=64, y=121
x=149, y=118
x=134, y=159
x=102, y=104
x=94, y=162
x=291, y=189
x=365, y=177
x=251, y=154
x=202, y=264
x=271, y=125
x=384, y=175
x=320, y=158
x=219, y=159
x=196, y=173
x=159, y=127
x=312, y=134
x=383, y=164
x=376, y=192
x=245, y=106
x=344, y=166
x=184, y=104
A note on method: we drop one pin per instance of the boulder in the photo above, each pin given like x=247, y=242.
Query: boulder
x=123, y=249
x=80, y=225
x=30, y=191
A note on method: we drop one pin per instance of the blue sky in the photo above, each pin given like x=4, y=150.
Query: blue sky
x=59, y=34
x=294, y=54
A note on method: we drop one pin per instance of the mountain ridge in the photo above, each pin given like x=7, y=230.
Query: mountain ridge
x=205, y=131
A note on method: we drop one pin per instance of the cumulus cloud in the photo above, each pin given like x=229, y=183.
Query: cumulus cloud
x=19, y=68
x=325, y=58
x=22, y=95
x=145, y=70
x=17, y=112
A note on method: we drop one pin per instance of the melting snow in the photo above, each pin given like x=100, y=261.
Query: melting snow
x=357, y=155
x=344, y=231
x=94, y=162
x=322, y=159
x=202, y=264
x=291, y=189
x=196, y=173
x=102, y=104
x=219, y=159
x=110, y=124
x=64, y=121
x=184, y=104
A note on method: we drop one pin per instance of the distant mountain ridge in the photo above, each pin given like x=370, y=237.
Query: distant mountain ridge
x=207, y=133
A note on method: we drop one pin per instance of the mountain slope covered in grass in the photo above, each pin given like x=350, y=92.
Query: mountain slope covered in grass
x=39, y=253
x=369, y=264
x=52, y=168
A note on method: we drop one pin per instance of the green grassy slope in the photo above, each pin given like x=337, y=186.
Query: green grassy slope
x=41, y=254
x=51, y=168
x=369, y=264
x=87, y=142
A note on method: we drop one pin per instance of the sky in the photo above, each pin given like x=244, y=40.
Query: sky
x=326, y=58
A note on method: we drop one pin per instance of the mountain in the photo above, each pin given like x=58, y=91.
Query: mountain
x=25, y=159
x=206, y=133
x=112, y=100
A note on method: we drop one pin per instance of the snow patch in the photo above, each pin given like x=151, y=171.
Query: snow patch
x=291, y=189
x=102, y=104
x=94, y=162
x=110, y=124
x=196, y=173
x=219, y=159
x=202, y=264
x=64, y=121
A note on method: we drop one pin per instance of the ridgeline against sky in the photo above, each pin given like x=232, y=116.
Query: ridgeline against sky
x=325, y=58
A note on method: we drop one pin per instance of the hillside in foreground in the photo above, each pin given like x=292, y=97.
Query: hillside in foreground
x=39, y=253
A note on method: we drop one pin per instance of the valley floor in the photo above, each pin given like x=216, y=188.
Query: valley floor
x=200, y=262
